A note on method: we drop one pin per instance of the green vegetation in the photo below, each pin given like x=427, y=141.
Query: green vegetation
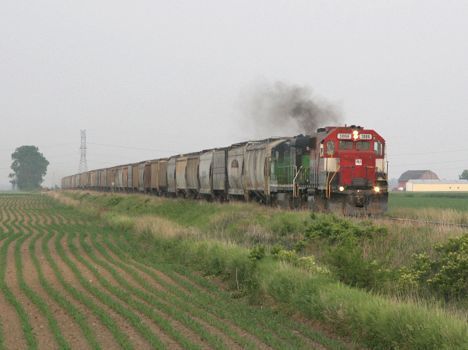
x=119, y=335
x=35, y=298
x=68, y=262
x=357, y=252
x=60, y=299
x=446, y=272
x=156, y=297
x=296, y=261
x=464, y=175
x=439, y=200
x=29, y=168
x=10, y=297
x=370, y=320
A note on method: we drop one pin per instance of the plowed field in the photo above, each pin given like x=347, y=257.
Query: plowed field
x=67, y=282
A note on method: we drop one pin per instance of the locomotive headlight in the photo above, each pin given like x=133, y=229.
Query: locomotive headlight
x=355, y=134
x=377, y=189
x=341, y=188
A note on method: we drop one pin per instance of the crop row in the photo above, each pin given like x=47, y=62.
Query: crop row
x=57, y=265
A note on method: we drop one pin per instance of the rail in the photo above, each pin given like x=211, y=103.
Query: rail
x=426, y=222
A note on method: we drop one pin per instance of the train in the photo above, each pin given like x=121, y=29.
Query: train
x=341, y=169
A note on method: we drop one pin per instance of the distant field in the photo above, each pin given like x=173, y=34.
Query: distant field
x=443, y=200
x=68, y=281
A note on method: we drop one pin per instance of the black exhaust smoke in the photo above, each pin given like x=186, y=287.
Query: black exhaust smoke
x=284, y=108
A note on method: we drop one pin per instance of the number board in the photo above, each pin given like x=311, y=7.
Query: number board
x=344, y=136
x=365, y=136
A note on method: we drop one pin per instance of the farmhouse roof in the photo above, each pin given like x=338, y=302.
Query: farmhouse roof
x=417, y=174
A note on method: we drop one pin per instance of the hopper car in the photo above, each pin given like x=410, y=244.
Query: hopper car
x=338, y=168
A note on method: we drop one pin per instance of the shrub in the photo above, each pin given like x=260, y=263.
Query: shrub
x=446, y=273
x=284, y=224
x=336, y=230
x=347, y=263
x=307, y=263
x=344, y=253
x=257, y=253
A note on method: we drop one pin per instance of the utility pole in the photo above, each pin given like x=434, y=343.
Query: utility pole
x=83, y=162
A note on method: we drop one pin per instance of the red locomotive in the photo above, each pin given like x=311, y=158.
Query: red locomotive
x=348, y=171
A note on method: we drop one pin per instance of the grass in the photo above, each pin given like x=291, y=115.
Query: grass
x=350, y=311
x=158, y=299
x=249, y=225
x=208, y=303
x=438, y=200
x=438, y=208
x=217, y=239
x=203, y=291
x=151, y=300
x=170, y=294
x=80, y=268
x=137, y=257
x=405, y=239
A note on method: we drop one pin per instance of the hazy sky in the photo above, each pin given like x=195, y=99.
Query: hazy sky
x=153, y=78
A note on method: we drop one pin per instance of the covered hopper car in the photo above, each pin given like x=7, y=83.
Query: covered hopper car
x=339, y=168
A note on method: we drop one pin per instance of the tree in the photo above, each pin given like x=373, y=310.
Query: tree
x=464, y=175
x=29, y=168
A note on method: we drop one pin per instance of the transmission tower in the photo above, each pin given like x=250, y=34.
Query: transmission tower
x=83, y=163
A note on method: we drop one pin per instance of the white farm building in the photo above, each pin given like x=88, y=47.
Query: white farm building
x=437, y=186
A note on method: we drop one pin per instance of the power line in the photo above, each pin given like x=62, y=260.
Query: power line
x=60, y=155
x=428, y=153
x=133, y=148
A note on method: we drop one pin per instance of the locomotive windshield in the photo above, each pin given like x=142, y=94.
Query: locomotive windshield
x=346, y=145
x=330, y=148
x=378, y=148
x=363, y=145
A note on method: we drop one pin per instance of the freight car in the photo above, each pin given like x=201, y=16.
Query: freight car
x=341, y=169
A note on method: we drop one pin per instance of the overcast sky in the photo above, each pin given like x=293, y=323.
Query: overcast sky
x=153, y=78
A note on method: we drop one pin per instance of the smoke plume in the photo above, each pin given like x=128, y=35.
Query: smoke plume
x=284, y=108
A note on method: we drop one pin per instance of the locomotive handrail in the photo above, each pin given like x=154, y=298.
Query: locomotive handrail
x=294, y=182
x=328, y=189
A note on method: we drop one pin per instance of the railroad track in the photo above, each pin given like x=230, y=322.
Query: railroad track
x=420, y=221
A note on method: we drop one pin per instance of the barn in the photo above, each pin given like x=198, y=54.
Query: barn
x=415, y=175
x=437, y=186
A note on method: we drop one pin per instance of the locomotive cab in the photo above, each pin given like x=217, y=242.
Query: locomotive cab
x=349, y=171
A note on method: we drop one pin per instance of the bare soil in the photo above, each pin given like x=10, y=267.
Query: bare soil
x=34, y=215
